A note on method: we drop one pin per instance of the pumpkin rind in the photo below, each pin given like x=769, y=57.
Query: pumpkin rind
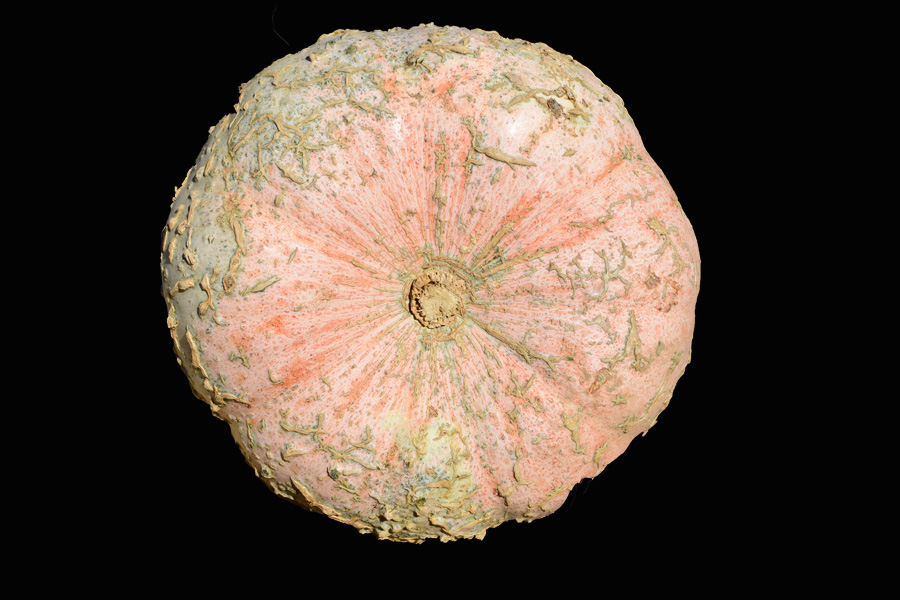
x=431, y=278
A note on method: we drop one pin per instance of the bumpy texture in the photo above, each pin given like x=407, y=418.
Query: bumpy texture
x=431, y=279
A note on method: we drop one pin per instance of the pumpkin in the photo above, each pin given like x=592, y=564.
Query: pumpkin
x=430, y=278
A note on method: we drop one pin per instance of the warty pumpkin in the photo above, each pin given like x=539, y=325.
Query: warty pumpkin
x=431, y=279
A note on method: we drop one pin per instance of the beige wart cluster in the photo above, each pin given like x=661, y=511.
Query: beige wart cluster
x=430, y=278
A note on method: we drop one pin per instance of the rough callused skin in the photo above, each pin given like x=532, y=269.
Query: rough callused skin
x=431, y=279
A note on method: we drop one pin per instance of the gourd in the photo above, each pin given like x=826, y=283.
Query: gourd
x=430, y=278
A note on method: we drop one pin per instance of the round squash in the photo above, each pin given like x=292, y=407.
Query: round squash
x=431, y=279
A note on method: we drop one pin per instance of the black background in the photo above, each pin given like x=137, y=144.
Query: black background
x=695, y=492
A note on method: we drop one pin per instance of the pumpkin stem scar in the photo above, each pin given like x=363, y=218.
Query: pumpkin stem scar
x=436, y=297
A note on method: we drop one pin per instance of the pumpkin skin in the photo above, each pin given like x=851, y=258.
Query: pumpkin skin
x=431, y=279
